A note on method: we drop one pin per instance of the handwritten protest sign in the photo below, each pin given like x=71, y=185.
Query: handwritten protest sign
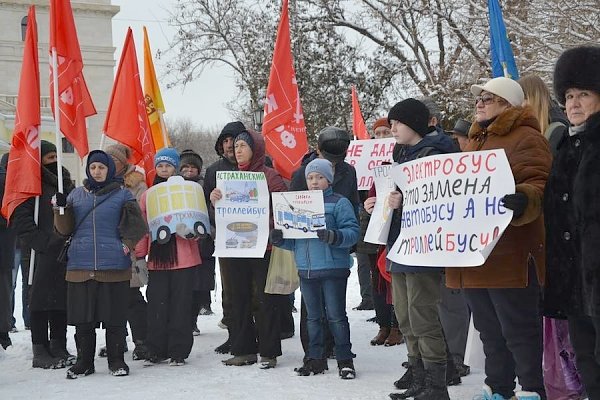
x=364, y=155
x=451, y=214
x=381, y=218
x=299, y=214
x=242, y=215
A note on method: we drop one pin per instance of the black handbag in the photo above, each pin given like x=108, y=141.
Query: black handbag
x=63, y=255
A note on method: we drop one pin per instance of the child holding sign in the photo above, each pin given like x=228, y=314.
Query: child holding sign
x=324, y=266
x=416, y=291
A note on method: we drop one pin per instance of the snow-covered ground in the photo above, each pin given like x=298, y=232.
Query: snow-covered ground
x=205, y=377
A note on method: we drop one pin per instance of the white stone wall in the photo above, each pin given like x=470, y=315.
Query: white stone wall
x=93, y=20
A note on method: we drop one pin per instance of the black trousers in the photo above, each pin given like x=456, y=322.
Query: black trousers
x=386, y=318
x=137, y=315
x=246, y=275
x=510, y=325
x=225, y=266
x=169, y=295
x=41, y=320
x=585, y=338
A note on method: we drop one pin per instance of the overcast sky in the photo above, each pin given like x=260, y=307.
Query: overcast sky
x=202, y=101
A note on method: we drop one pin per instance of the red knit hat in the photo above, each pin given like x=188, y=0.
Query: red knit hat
x=381, y=122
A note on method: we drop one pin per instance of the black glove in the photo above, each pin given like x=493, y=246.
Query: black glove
x=276, y=236
x=59, y=200
x=516, y=202
x=327, y=236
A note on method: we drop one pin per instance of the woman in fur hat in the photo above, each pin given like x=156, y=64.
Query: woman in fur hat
x=572, y=214
x=504, y=293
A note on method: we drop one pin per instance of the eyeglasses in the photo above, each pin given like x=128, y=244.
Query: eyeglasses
x=486, y=98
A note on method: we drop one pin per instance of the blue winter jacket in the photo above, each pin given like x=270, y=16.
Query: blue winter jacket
x=431, y=144
x=96, y=244
x=317, y=259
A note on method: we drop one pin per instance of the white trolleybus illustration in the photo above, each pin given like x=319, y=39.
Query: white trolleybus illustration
x=176, y=206
x=289, y=216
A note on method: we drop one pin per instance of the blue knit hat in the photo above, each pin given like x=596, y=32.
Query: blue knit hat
x=168, y=155
x=322, y=166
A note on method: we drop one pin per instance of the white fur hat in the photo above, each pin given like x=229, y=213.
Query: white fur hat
x=506, y=88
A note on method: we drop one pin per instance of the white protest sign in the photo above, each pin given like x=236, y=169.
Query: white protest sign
x=381, y=218
x=364, y=155
x=299, y=214
x=242, y=215
x=451, y=214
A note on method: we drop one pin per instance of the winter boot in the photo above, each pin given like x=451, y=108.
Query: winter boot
x=140, y=352
x=43, y=359
x=435, y=383
x=406, y=380
x=86, y=346
x=394, y=338
x=238, y=361
x=461, y=367
x=381, y=336
x=486, y=394
x=452, y=373
x=115, y=352
x=267, y=362
x=417, y=384
x=346, y=369
x=225, y=348
x=5, y=340
x=58, y=349
x=314, y=366
x=523, y=395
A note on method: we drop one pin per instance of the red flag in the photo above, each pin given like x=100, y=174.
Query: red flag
x=358, y=123
x=283, y=127
x=75, y=102
x=126, y=118
x=23, y=177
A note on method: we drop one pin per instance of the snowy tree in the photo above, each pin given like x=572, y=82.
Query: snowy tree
x=390, y=49
x=185, y=134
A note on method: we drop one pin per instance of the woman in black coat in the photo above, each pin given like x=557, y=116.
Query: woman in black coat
x=572, y=212
x=47, y=295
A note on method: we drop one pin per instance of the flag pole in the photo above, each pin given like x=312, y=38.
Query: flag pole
x=36, y=215
x=59, y=152
x=163, y=129
x=102, y=140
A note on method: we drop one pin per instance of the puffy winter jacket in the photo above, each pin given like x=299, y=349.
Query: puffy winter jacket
x=315, y=258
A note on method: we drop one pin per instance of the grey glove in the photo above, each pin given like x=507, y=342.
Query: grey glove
x=140, y=273
x=276, y=236
x=327, y=235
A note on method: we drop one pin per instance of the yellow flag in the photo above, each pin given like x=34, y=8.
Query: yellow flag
x=154, y=103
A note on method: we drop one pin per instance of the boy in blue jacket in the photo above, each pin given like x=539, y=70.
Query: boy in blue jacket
x=324, y=266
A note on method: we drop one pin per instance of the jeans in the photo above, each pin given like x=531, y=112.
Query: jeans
x=331, y=293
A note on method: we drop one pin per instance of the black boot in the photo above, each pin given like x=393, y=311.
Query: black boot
x=140, y=352
x=58, y=349
x=314, y=366
x=115, y=351
x=225, y=348
x=406, y=380
x=435, y=387
x=452, y=373
x=86, y=346
x=418, y=380
x=346, y=369
x=43, y=359
x=5, y=340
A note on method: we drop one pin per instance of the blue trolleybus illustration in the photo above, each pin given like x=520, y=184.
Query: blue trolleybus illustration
x=176, y=206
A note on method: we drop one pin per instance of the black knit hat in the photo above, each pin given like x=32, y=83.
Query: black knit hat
x=47, y=147
x=577, y=68
x=232, y=129
x=190, y=157
x=246, y=137
x=412, y=113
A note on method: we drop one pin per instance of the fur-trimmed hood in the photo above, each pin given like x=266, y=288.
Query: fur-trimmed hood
x=506, y=122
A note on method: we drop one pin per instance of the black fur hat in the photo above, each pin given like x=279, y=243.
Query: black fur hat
x=577, y=68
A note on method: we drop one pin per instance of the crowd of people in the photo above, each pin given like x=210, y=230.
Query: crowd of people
x=535, y=301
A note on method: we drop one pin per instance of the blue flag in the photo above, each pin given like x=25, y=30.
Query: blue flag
x=503, y=60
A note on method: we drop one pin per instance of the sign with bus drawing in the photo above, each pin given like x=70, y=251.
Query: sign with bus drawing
x=299, y=214
x=177, y=207
x=242, y=214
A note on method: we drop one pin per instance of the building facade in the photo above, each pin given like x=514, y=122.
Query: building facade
x=93, y=20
